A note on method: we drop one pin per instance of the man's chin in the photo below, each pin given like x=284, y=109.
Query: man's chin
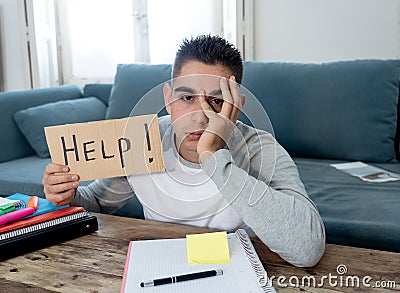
x=189, y=145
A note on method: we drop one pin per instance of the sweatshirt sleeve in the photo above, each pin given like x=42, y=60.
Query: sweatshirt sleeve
x=104, y=195
x=267, y=192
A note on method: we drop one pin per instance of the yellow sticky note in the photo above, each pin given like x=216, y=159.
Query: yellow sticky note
x=208, y=248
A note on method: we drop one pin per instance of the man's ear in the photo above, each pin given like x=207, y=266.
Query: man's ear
x=167, y=97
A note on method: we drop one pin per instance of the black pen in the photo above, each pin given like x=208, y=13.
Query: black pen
x=181, y=278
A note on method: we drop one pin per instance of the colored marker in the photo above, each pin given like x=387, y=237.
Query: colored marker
x=12, y=206
x=33, y=202
x=16, y=215
x=7, y=208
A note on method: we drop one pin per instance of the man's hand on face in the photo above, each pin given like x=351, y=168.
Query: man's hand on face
x=220, y=125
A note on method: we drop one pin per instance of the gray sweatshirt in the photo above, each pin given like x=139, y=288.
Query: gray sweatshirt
x=259, y=180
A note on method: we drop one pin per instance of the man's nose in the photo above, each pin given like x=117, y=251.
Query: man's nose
x=198, y=114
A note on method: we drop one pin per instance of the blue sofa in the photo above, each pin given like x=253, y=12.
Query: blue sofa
x=321, y=113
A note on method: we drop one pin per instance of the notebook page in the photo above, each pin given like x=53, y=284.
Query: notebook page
x=153, y=259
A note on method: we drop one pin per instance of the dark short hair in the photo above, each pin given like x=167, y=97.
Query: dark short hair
x=210, y=50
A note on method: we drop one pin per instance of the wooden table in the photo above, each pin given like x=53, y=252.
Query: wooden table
x=95, y=263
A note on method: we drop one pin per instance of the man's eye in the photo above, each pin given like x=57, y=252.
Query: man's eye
x=217, y=102
x=187, y=98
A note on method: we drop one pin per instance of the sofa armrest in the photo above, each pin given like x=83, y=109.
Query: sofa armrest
x=98, y=90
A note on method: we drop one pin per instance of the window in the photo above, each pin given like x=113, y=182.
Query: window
x=93, y=36
x=170, y=21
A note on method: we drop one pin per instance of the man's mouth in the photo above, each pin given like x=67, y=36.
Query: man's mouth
x=194, y=135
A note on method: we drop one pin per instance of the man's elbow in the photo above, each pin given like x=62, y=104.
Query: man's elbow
x=311, y=259
x=311, y=253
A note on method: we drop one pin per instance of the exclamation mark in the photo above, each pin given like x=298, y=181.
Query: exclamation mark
x=146, y=127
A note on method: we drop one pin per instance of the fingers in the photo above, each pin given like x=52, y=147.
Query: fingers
x=227, y=106
x=207, y=109
x=234, y=87
x=56, y=168
x=230, y=92
x=59, y=186
x=63, y=198
x=60, y=178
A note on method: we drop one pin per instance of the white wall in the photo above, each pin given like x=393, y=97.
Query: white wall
x=15, y=71
x=326, y=30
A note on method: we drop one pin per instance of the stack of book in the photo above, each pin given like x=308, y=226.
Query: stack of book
x=47, y=226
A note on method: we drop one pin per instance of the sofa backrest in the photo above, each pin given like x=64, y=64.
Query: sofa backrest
x=13, y=143
x=344, y=110
x=132, y=82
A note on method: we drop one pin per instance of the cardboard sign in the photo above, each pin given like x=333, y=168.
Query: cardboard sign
x=108, y=148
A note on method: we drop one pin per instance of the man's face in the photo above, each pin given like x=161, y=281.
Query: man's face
x=182, y=103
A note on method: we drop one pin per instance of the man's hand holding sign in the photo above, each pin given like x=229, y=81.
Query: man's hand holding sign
x=101, y=149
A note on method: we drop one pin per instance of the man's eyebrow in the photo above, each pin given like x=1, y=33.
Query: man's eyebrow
x=215, y=93
x=185, y=89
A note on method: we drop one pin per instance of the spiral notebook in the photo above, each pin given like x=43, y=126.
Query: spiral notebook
x=46, y=229
x=151, y=259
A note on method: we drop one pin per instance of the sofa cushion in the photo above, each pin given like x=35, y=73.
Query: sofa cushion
x=354, y=212
x=32, y=121
x=132, y=82
x=341, y=110
x=24, y=176
x=98, y=90
x=132, y=208
x=13, y=142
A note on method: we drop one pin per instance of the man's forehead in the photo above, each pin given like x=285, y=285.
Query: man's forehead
x=195, y=67
x=196, y=83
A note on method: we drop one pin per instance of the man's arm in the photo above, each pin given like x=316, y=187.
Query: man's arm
x=104, y=195
x=270, y=197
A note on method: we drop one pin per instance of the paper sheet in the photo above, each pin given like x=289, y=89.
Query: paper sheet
x=4, y=201
x=367, y=172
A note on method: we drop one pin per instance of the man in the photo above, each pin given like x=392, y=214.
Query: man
x=220, y=173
